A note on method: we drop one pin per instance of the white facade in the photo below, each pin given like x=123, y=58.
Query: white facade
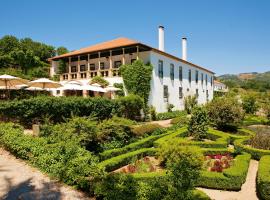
x=220, y=87
x=156, y=97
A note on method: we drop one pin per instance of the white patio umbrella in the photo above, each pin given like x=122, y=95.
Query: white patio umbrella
x=44, y=83
x=111, y=88
x=7, y=81
x=72, y=86
x=94, y=88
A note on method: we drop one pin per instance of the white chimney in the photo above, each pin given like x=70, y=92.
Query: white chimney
x=161, y=38
x=184, y=48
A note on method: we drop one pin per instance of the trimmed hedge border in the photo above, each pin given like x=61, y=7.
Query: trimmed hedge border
x=263, y=178
x=124, y=159
x=143, y=143
x=230, y=179
x=240, y=145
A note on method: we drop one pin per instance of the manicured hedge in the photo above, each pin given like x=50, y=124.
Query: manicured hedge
x=124, y=159
x=263, y=179
x=240, y=145
x=170, y=115
x=230, y=179
x=56, y=109
x=143, y=143
x=63, y=160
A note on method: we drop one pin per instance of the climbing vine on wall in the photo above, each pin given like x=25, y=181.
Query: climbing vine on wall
x=137, y=77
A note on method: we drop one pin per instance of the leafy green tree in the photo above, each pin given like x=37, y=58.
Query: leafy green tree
x=99, y=80
x=198, y=124
x=225, y=113
x=61, y=50
x=249, y=105
x=137, y=77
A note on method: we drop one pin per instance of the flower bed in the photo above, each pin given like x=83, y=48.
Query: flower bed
x=218, y=162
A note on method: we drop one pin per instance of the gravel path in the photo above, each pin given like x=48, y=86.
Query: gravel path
x=163, y=123
x=247, y=192
x=20, y=181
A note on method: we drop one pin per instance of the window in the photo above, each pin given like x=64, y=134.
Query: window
x=180, y=92
x=197, y=76
x=165, y=93
x=180, y=73
x=197, y=93
x=211, y=81
x=102, y=65
x=160, y=69
x=57, y=92
x=207, y=95
x=82, y=68
x=189, y=75
x=202, y=78
x=206, y=79
x=73, y=69
x=92, y=67
x=172, y=72
x=117, y=64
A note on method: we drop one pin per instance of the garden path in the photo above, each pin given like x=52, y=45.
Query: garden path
x=163, y=123
x=21, y=181
x=247, y=192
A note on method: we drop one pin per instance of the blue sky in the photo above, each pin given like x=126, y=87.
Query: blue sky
x=226, y=36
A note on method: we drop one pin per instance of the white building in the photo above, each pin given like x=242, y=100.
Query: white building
x=173, y=78
x=220, y=87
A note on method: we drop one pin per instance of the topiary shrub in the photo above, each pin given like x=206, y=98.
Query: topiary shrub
x=225, y=113
x=190, y=103
x=263, y=179
x=198, y=124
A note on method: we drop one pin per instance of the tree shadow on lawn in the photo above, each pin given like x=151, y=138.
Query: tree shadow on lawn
x=26, y=191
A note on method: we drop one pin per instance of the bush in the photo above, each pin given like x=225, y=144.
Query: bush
x=145, y=129
x=115, y=129
x=99, y=80
x=198, y=124
x=130, y=106
x=170, y=107
x=249, y=105
x=64, y=160
x=261, y=140
x=263, y=178
x=152, y=112
x=190, y=103
x=120, y=92
x=225, y=113
x=170, y=115
x=57, y=109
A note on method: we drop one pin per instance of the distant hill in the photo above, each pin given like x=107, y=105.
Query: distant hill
x=251, y=80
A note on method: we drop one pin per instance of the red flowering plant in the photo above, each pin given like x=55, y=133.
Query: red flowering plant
x=218, y=162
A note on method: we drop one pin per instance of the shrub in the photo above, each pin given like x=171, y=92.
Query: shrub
x=263, y=178
x=57, y=109
x=170, y=115
x=99, y=80
x=198, y=124
x=249, y=105
x=261, y=140
x=170, y=107
x=115, y=129
x=153, y=113
x=120, y=92
x=225, y=113
x=184, y=165
x=145, y=129
x=190, y=103
x=64, y=160
x=130, y=106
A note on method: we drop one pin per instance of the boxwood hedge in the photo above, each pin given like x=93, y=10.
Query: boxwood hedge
x=263, y=179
